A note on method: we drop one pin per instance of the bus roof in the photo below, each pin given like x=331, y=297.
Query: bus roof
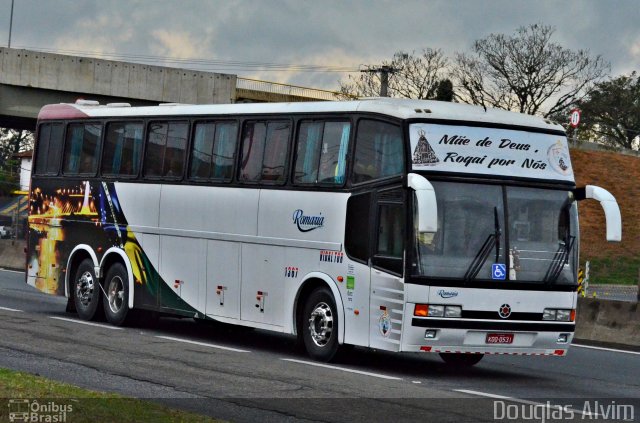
x=399, y=108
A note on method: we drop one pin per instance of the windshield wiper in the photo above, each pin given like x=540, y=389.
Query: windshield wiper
x=493, y=240
x=560, y=258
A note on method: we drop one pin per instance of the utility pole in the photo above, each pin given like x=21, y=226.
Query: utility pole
x=10, y=24
x=384, y=78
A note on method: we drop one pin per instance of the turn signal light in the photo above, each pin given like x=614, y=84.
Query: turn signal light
x=421, y=310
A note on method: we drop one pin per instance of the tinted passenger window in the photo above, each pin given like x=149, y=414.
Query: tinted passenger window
x=264, y=151
x=379, y=151
x=213, y=150
x=166, y=145
x=322, y=152
x=122, y=149
x=49, y=149
x=82, y=148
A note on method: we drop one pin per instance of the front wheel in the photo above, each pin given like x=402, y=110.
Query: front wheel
x=320, y=325
x=116, y=300
x=461, y=360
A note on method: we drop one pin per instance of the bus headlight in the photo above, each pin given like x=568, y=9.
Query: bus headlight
x=436, y=310
x=452, y=311
x=559, y=315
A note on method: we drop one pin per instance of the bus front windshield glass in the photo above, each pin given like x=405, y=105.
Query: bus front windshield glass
x=500, y=234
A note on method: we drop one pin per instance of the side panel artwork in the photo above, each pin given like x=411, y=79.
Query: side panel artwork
x=64, y=213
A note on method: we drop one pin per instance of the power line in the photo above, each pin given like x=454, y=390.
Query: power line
x=216, y=63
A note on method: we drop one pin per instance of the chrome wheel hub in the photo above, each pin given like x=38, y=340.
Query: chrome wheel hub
x=84, y=288
x=321, y=324
x=115, y=294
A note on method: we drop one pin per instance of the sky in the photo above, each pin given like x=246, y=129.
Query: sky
x=317, y=40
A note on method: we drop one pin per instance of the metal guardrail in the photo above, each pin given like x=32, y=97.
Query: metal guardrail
x=284, y=89
x=613, y=292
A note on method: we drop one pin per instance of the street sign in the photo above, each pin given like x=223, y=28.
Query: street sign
x=575, y=118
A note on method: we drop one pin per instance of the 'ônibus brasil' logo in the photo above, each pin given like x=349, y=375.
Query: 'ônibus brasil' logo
x=307, y=223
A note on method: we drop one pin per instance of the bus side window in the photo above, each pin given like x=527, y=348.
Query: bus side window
x=122, y=149
x=81, y=149
x=213, y=150
x=49, y=149
x=379, y=151
x=322, y=152
x=166, y=145
x=264, y=151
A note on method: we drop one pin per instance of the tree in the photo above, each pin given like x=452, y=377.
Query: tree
x=14, y=141
x=526, y=72
x=411, y=76
x=11, y=142
x=611, y=112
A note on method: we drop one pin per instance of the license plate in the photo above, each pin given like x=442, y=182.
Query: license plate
x=499, y=338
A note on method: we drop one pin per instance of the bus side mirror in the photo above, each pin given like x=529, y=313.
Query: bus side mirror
x=609, y=205
x=427, y=205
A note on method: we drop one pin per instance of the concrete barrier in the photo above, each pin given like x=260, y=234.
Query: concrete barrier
x=12, y=254
x=608, y=321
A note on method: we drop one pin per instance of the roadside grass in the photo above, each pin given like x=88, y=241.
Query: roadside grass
x=616, y=271
x=82, y=405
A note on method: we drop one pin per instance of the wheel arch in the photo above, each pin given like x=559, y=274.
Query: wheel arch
x=79, y=253
x=113, y=255
x=309, y=283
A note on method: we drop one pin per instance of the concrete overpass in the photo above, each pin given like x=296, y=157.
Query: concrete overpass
x=31, y=79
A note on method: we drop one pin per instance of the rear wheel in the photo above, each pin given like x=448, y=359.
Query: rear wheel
x=461, y=360
x=116, y=300
x=86, y=291
x=320, y=325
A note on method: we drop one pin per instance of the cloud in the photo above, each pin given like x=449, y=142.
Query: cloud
x=177, y=44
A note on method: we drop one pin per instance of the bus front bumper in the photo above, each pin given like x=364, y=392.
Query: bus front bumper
x=487, y=337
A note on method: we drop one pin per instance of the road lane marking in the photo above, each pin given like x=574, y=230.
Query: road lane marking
x=12, y=271
x=527, y=402
x=204, y=344
x=82, y=322
x=605, y=349
x=10, y=309
x=327, y=366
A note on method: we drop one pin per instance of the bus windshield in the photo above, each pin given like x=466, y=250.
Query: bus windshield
x=500, y=234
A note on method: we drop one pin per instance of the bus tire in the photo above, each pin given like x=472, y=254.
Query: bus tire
x=320, y=325
x=116, y=298
x=86, y=291
x=461, y=360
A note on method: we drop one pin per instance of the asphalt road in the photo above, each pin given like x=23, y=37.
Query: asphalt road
x=241, y=375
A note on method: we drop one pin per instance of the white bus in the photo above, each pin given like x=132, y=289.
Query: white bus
x=400, y=225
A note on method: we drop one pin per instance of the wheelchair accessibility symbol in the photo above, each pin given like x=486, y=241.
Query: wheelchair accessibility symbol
x=499, y=271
